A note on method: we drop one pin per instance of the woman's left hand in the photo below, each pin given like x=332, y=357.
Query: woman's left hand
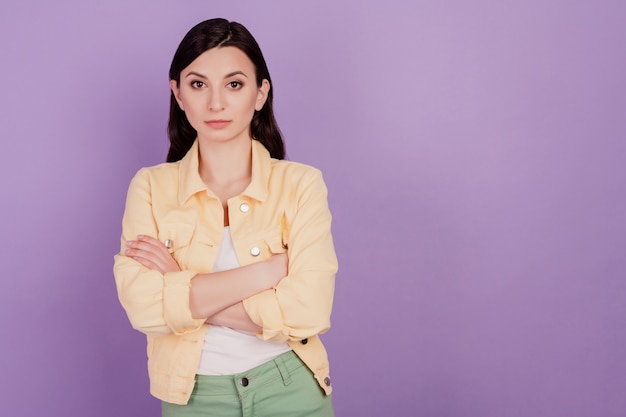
x=152, y=254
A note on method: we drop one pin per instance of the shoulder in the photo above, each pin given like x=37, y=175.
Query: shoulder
x=298, y=177
x=163, y=170
x=164, y=174
x=295, y=170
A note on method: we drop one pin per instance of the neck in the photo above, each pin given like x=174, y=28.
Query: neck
x=225, y=163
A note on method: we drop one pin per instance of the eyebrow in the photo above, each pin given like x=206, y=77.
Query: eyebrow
x=236, y=73
x=197, y=74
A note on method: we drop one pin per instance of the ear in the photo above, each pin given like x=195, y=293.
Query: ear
x=176, y=92
x=262, y=93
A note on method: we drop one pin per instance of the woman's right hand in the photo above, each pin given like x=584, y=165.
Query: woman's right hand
x=275, y=269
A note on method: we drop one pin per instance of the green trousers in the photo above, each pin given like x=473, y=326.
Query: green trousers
x=281, y=387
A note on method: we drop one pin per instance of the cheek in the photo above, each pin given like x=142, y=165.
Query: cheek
x=244, y=105
x=253, y=101
x=193, y=115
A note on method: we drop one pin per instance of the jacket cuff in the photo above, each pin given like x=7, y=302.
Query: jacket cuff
x=263, y=310
x=176, y=311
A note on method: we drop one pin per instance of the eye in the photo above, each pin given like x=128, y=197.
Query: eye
x=235, y=85
x=197, y=84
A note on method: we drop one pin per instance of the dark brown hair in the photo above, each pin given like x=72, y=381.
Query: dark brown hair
x=218, y=33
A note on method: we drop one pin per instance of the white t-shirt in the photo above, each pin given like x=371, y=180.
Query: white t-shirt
x=228, y=351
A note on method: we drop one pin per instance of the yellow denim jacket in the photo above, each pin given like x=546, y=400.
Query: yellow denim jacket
x=284, y=208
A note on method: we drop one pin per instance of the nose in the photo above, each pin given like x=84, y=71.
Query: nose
x=216, y=101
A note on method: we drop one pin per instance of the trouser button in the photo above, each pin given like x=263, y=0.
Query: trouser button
x=244, y=382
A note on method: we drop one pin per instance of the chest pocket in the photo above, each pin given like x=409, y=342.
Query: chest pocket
x=263, y=245
x=178, y=238
x=275, y=244
x=191, y=247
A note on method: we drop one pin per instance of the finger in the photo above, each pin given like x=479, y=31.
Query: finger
x=149, y=255
x=155, y=262
x=152, y=257
x=148, y=264
x=147, y=259
x=158, y=247
x=151, y=247
x=152, y=241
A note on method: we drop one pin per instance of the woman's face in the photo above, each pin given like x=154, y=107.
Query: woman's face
x=218, y=93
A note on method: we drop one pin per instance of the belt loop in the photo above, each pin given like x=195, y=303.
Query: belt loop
x=282, y=368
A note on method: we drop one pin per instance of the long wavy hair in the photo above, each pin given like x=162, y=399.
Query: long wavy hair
x=219, y=33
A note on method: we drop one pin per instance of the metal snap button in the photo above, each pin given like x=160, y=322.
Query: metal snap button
x=304, y=341
x=244, y=207
x=327, y=381
x=255, y=251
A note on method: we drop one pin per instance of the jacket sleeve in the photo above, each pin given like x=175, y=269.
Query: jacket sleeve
x=300, y=305
x=155, y=303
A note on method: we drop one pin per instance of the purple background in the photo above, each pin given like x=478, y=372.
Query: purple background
x=474, y=153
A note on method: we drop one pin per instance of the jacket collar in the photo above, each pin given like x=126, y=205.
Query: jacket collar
x=190, y=183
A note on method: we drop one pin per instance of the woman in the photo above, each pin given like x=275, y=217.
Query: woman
x=227, y=260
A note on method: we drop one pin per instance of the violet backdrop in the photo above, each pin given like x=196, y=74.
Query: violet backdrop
x=474, y=154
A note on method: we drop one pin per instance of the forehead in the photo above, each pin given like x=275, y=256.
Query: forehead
x=218, y=62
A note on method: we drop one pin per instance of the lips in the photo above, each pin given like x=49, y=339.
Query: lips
x=217, y=124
